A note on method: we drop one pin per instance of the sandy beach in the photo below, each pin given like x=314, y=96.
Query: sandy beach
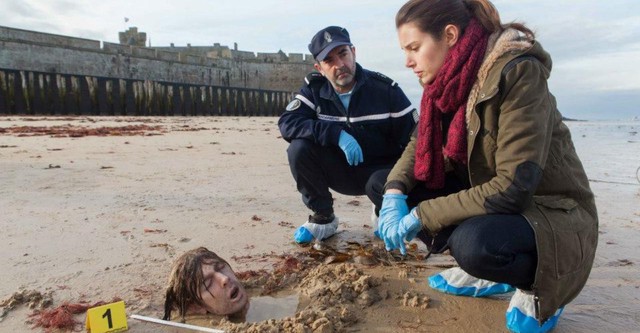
x=97, y=208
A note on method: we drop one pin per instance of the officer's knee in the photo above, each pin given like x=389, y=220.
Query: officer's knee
x=375, y=183
x=299, y=149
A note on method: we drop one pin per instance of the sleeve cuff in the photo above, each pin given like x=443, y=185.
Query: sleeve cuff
x=395, y=185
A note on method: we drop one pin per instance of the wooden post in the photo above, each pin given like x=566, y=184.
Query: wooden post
x=37, y=102
x=188, y=101
x=234, y=101
x=215, y=101
x=4, y=93
x=197, y=96
x=208, y=106
x=70, y=103
x=164, y=101
x=176, y=101
x=56, y=100
x=85, y=97
x=116, y=98
x=130, y=98
x=103, y=103
x=19, y=102
x=224, y=104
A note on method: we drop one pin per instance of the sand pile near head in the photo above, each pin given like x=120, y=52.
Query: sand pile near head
x=336, y=295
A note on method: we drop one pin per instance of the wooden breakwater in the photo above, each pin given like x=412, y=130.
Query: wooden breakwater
x=38, y=93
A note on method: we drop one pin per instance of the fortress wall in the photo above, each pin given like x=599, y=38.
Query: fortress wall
x=144, y=52
x=196, y=50
x=38, y=52
x=259, y=75
x=39, y=37
x=48, y=59
x=246, y=55
x=116, y=48
x=168, y=56
x=193, y=69
x=193, y=59
x=271, y=57
x=296, y=57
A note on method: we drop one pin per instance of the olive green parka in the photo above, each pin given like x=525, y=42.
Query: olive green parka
x=521, y=160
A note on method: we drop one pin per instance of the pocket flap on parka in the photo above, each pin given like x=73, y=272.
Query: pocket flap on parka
x=556, y=202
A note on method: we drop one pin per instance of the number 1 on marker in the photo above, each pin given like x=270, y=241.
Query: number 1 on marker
x=108, y=318
x=108, y=315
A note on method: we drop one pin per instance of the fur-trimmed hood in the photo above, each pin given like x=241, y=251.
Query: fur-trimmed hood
x=509, y=41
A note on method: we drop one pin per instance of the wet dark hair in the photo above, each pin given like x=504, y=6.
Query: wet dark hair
x=432, y=16
x=186, y=280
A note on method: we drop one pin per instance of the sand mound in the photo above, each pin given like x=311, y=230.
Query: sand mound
x=336, y=293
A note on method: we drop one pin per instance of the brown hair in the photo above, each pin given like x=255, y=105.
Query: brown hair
x=432, y=16
x=186, y=279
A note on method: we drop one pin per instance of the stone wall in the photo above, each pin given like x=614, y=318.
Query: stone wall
x=40, y=52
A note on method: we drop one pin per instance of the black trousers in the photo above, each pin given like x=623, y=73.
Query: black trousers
x=498, y=247
x=316, y=169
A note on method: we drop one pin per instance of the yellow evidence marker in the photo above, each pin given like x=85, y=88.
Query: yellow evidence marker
x=107, y=318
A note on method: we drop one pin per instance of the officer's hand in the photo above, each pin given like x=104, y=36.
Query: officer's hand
x=409, y=226
x=394, y=208
x=351, y=148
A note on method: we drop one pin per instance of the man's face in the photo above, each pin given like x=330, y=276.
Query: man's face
x=339, y=67
x=222, y=293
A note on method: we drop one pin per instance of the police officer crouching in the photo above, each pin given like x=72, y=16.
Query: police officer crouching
x=344, y=124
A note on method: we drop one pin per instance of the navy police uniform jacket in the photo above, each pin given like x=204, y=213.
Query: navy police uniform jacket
x=380, y=116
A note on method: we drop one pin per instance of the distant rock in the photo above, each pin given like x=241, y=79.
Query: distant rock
x=570, y=119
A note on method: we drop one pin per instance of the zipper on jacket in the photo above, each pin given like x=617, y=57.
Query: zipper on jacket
x=536, y=299
x=336, y=101
x=347, y=114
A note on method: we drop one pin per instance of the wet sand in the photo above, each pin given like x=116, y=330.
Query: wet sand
x=94, y=217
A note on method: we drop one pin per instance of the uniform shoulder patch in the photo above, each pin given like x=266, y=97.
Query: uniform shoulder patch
x=293, y=105
x=383, y=78
x=314, y=78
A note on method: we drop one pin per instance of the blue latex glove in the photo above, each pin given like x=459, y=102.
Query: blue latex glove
x=409, y=226
x=392, y=238
x=351, y=148
x=394, y=208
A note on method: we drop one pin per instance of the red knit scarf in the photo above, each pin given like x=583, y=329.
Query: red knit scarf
x=448, y=93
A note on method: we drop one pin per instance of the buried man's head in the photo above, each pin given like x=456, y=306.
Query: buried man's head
x=202, y=281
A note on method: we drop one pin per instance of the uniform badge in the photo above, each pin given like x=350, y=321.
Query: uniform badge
x=293, y=105
x=327, y=37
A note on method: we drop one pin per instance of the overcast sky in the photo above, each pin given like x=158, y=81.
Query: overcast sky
x=594, y=44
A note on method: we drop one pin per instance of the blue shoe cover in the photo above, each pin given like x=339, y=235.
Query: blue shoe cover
x=308, y=231
x=302, y=235
x=520, y=316
x=457, y=282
